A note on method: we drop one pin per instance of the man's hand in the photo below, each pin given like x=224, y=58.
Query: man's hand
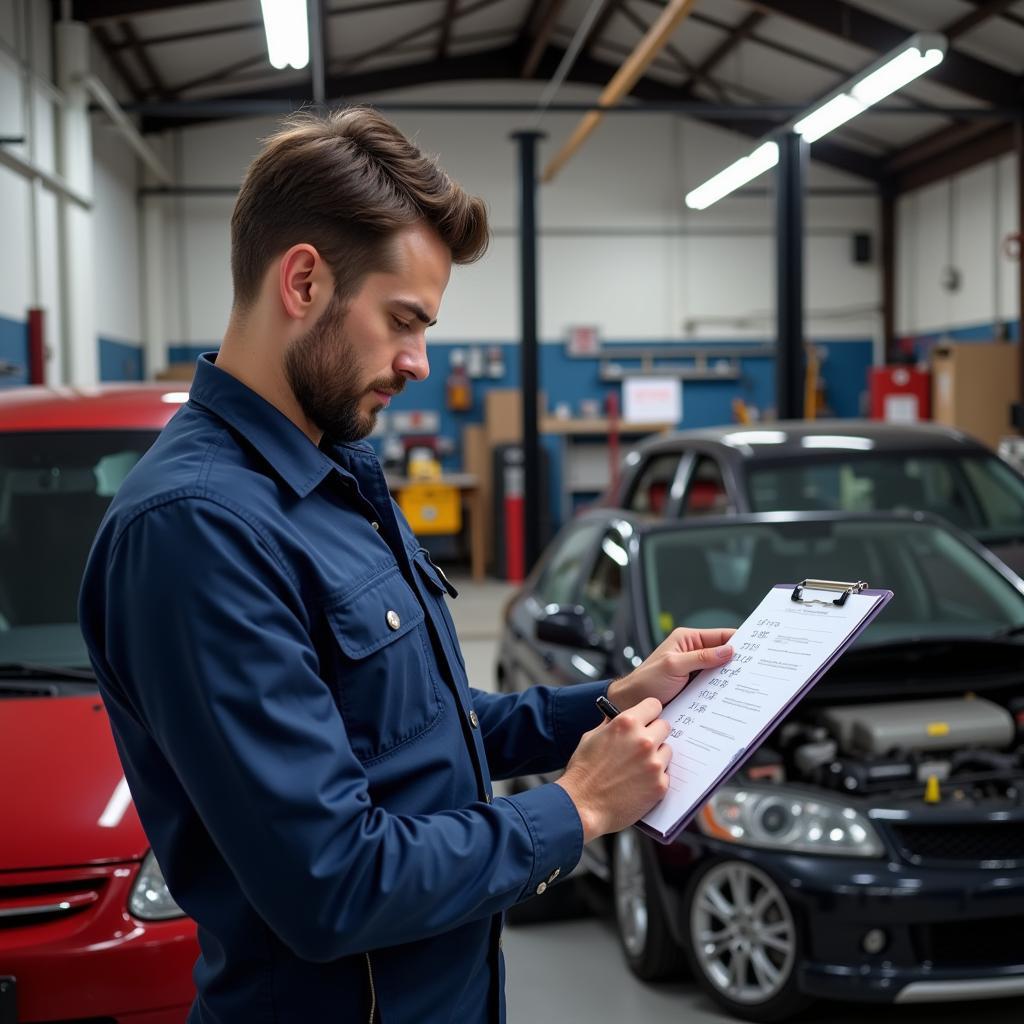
x=619, y=770
x=669, y=668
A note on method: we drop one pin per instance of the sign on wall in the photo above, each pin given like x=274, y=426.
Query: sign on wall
x=652, y=400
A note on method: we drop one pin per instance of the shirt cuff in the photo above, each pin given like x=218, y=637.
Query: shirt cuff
x=574, y=712
x=557, y=832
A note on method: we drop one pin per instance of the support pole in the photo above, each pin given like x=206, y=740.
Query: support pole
x=1017, y=413
x=79, y=343
x=317, y=51
x=529, y=379
x=789, y=276
x=888, y=258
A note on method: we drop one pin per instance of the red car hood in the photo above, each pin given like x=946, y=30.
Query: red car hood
x=65, y=802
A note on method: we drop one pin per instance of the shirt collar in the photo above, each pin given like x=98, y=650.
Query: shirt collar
x=288, y=450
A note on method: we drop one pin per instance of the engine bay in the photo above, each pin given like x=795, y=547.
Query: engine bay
x=964, y=749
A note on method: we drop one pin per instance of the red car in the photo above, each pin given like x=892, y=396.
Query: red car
x=88, y=930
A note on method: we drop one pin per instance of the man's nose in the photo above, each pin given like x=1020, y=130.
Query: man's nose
x=412, y=362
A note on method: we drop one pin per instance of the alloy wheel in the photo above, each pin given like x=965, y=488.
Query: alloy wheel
x=742, y=932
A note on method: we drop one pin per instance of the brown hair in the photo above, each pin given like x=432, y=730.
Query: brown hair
x=345, y=182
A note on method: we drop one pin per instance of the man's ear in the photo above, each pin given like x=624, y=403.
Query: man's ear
x=302, y=282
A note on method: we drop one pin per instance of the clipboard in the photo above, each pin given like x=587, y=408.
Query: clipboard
x=806, y=593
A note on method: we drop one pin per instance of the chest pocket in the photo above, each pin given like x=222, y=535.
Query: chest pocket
x=381, y=674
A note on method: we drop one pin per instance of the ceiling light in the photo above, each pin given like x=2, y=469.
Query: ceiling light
x=287, y=27
x=745, y=169
x=920, y=53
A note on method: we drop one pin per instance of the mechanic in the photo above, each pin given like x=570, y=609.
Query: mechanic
x=282, y=674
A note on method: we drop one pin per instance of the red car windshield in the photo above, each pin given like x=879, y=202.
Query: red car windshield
x=54, y=489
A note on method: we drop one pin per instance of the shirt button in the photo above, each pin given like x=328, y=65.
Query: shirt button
x=473, y=720
x=487, y=798
x=392, y=619
x=541, y=889
x=375, y=525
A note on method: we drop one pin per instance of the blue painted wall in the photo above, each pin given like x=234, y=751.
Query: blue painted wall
x=921, y=345
x=14, y=352
x=121, y=360
x=571, y=380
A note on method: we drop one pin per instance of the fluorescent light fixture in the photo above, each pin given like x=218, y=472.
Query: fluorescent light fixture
x=745, y=169
x=920, y=53
x=828, y=117
x=287, y=27
x=862, y=444
x=745, y=437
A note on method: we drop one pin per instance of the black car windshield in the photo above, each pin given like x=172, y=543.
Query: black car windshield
x=716, y=575
x=976, y=492
x=54, y=489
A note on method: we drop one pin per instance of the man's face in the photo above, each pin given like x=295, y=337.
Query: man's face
x=359, y=354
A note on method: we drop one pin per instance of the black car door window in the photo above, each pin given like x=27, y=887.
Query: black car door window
x=602, y=591
x=560, y=580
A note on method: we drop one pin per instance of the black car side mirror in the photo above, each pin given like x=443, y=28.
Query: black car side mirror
x=569, y=626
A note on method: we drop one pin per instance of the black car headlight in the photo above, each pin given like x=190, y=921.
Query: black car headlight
x=783, y=819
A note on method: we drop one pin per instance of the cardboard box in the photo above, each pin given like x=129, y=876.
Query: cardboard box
x=973, y=386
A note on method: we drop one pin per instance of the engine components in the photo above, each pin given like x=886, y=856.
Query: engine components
x=880, y=729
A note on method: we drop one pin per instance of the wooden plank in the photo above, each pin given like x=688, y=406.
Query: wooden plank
x=624, y=79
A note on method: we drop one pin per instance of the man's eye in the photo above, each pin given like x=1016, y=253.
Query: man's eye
x=400, y=324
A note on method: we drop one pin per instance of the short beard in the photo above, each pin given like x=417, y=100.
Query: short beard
x=323, y=370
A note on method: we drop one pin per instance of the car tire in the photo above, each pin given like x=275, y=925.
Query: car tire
x=744, y=945
x=641, y=921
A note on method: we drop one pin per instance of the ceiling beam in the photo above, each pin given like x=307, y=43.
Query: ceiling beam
x=97, y=10
x=624, y=79
x=106, y=45
x=852, y=24
x=505, y=62
x=446, y=28
x=597, y=30
x=131, y=38
x=984, y=9
x=733, y=39
x=955, y=160
x=541, y=38
x=833, y=154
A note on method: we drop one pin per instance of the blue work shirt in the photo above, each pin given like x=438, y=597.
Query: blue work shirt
x=292, y=711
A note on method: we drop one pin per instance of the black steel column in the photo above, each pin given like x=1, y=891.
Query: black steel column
x=789, y=276
x=529, y=375
x=317, y=51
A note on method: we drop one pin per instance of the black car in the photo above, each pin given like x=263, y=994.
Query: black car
x=873, y=848
x=847, y=465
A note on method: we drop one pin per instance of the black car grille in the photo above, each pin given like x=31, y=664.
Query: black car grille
x=999, y=841
x=992, y=941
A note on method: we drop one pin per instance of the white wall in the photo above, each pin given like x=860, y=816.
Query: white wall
x=30, y=271
x=618, y=248
x=961, y=221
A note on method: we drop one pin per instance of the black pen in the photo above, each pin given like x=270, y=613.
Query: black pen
x=606, y=707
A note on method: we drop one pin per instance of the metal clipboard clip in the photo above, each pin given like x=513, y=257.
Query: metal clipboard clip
x=838, y=585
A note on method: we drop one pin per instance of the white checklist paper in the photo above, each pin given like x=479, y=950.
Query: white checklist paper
x=723, y=713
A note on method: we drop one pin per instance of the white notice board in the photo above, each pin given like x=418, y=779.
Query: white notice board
x=652, y=400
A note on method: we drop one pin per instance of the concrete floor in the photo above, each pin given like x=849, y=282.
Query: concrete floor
x=573, y=971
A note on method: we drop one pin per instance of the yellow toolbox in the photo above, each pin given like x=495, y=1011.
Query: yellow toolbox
x=431, y=507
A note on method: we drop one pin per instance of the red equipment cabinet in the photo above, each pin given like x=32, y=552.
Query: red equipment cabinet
x=900, y=394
